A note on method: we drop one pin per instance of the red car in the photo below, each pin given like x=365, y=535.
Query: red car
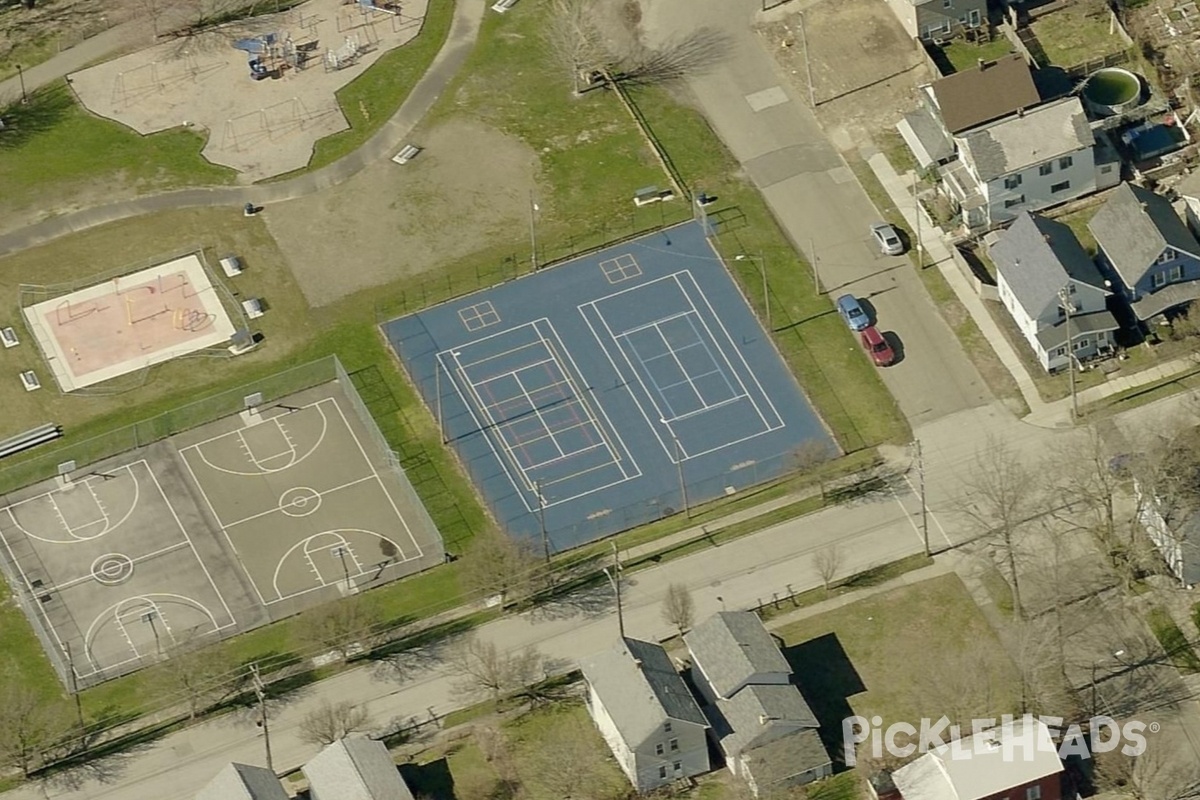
x=877, y=346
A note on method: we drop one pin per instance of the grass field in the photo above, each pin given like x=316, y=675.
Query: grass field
x=1077, y=33
x=918, y=651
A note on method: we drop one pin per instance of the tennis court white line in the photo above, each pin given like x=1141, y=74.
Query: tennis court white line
x=689, y=379
x=724, y=357
x=502, y=353
x=548, y=435
x=656, y=323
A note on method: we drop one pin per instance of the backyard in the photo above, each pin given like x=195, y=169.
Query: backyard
x=1077, y=33
x=963, y=55
x=916, y=652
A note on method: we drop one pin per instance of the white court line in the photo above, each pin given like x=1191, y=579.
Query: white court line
x=49, y=495
x=258, y=462
x=198, y=446
x=277, y=509
x=704, y=344
x=929, y=512
x=538, y=413
x=135, y=561
x=312, y=564
x=502, y=353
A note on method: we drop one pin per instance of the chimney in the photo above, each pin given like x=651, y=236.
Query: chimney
x=763, y=719
x=1046, y=238
x=1021, y=112
x=637, y=662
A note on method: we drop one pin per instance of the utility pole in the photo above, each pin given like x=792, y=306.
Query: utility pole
x=812, y=95
x=615, y=580
x=260, y=692
x=812, y=254
x=437, y=384
x=537, y=487
x=21, y=77
x=533, y=209
x=924, y=508
x=917, y=214
x=1064, y=296
x=340, y=552
x=75, y=693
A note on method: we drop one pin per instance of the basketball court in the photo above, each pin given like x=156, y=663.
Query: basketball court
x=219, y=530
x=608, y=391
x=129, y=323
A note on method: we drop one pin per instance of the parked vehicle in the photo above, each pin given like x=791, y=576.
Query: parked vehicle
x=852, y=312
x=887, y=239
x=877, y=347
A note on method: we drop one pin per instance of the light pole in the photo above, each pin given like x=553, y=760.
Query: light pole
x=537, y=487
x=679, y=464
x=924, y=507
x=533, y=209
x=812, y=254
x=1067, y=307
x=1116, y=654
x=148, y=618
x=75, y=693
x=21, y=78
x=261, y=694
x=437, y=390
x=614, y=578
x=340, y=552
x=762, y=268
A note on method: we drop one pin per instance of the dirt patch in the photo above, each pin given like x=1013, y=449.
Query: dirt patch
x=31, y=35
x=864, y=69
x=391, y=222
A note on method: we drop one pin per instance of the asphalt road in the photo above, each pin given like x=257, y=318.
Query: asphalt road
x=817, y=200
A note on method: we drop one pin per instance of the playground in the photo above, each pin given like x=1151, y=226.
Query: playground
x=263, y=89
x=129, y=322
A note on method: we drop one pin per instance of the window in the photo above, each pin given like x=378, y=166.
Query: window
x=658, y=749
x=1106, y=169
x=1012, y=181
x=662, y=772
x=1060, y=351
x=1033, y=793
x=947, y=3
x=1062, y=312
x=678, y=765
x=1016, y=201
x=674, y=745
x=1065, y=162
x=667, y=726
x=1158, y=279
x=1060, y=187
x=1045, y=169
x=1165, y=256
x=975, y=19
x=1081, y=344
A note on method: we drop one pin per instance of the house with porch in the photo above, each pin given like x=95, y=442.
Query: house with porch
x=646, y=714
x=939, y=19
x=764, y=727
x=1149, y=254
x=1053, y=291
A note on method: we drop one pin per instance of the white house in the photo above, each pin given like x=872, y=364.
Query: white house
x=1053, y=291
x=355, y=768
x=936, y=19
x=646, y=714
x=765, y=728
x=244, y=782
x=1030, y=160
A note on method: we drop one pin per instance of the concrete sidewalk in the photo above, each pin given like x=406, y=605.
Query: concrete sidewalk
x=1054, y=414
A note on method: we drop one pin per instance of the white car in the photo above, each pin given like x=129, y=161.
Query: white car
x=887, y=239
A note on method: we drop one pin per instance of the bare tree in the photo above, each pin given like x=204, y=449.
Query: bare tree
x=1002, y=498
x=574, y=37
x=1156, y=774
x=483, y=671
x=331, y=722
x=590, y=776
x=495, y=564
x=679, y=609
x=828, y=561
x=338, y=626
x=29, y=726
x=693, y=54
x=964, y=686
x=201, y=671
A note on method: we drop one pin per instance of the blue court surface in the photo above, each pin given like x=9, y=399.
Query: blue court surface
x=581, y=397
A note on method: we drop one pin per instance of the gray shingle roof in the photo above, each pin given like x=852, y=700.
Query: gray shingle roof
x=1171, y=295
x=930, y=135
x=975, y=96
x=757, y=709
x=244, y=782
x=775, y=762
x=1018, y=142
x=1133, y=228
x=731, y=646
x=1056, y=336
x=1037, y=256
x=640, y=697
x=355, y=768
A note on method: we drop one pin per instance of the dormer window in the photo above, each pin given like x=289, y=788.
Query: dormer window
x=1166, y=255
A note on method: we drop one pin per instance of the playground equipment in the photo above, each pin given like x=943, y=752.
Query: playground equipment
x=344, y=56
x=271, y=54
x=280, y=119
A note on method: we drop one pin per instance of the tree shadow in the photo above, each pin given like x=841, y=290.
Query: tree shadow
x=23, y=121
x=588, y=602
x=827, y=679
x=103, y=763
x=401, y=664
x=432, y=780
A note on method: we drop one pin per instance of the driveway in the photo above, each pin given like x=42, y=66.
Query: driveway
x=819, y=203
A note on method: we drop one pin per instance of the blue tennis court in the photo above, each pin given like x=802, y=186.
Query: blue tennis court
x=608, y=391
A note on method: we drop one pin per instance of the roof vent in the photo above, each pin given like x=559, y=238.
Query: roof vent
x=763, y=719
x=982, y=64
x=1145, y=206
x=1046, y=238
x=1021, y=112
x=637, y=662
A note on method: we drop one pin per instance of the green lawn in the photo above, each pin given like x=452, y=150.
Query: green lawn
x=1173, y=640
x=1077, y=33
x=918, y=651
x=53, y=145
x=964, y=56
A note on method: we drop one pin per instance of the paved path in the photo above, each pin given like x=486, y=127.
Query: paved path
x=468, y=15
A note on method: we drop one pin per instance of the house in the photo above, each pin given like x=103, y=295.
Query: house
x=1150, y=254
x=244, y=782
x=991, y=91
x=938, y=19
x=764, y=726
x=1029, y=160
x=1018, y=761
x=1188, y=190
x=1039, y=265
x=355, y=768
x=1169, y=505
x=1178, y=542
x=646, y=714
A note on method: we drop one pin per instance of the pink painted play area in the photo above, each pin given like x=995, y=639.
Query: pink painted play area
x=128, y=323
